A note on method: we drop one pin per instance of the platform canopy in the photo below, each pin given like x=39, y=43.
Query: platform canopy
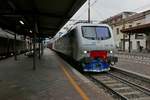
x=50, y=15
x=144, y=28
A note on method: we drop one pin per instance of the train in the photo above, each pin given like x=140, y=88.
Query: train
x=91, y=45
x=7, y=44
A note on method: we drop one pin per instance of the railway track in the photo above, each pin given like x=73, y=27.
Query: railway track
x=123, y=85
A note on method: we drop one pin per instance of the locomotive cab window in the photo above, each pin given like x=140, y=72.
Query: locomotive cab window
x=102, y=33
x=92, y=32
x=89, y=32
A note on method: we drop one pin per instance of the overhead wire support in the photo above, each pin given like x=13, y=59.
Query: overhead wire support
x=15, y=51
x=89, y=11
x=34, y=40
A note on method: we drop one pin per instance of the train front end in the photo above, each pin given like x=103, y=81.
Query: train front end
x=98, y=60
x=97, y=48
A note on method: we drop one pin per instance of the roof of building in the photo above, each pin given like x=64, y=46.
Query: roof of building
x=50, y=15
x=129, y=19
x=117, y=16
x=145, y=28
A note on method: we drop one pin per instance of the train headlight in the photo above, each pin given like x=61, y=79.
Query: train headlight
x=85, y=51
x=111, y=51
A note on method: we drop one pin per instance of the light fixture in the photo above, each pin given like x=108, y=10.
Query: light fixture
x=21, y=22
x=85, y=51
x=30, y=31
x=111, y=51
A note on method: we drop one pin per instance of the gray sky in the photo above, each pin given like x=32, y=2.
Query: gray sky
x=102, y=9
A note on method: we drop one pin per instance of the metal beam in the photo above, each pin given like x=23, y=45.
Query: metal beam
x=34, y=63
x=123, y=35
x=42, y=48
x=30, y=44
x=124, y=42
x=39, y=48
x=48, y=28
x=30, y=13
x=34, y=49
x=12, y=5
x=73, y=9
x=129, y=42
x=89, y=11
x=15, y=53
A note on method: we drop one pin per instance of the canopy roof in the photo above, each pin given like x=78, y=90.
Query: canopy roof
x=50, y=15
x=145, y=28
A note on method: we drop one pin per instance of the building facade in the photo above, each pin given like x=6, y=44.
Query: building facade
x=127, y=20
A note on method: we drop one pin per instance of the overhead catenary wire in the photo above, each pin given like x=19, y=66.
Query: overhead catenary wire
x=97, y=11
x=92, y=4
x=77, y=19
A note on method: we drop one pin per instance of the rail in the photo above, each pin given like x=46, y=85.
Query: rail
x=123, y=84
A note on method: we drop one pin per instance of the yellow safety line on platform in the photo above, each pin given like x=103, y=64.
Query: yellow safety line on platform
x=76, y=86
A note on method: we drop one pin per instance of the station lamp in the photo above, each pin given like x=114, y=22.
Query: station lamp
x=21, y=22
x=30, y=31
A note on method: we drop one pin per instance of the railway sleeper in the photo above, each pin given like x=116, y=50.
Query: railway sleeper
x=109, y=82
x=144, y=98
x=121, y=88
x=104, y=78
x=134, y=95
x=131, y=93
x=115, y=85
x=125, y=90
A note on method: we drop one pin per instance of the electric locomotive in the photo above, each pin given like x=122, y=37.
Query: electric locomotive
x=92, y=45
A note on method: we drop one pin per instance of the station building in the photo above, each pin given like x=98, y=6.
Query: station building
x=127, y=20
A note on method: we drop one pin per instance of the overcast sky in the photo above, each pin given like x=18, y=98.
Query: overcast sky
x=102, y=9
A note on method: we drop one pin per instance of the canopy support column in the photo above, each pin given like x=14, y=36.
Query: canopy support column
x=15, y=53
x=34, y=49
x=42, y=48
x=34, y=63
x=129, y=42
x=123, y=42
x=39, y=48
x=30, y=48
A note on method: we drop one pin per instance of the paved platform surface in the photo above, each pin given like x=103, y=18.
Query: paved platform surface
x=139, y=55
x=138, y=63
x=54, y=79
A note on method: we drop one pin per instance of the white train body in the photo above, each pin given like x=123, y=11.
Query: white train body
x=82, y=39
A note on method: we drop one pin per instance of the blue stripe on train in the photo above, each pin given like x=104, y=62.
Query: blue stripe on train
x=96, y=65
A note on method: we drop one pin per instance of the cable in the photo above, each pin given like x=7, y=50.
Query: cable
x=92, y=4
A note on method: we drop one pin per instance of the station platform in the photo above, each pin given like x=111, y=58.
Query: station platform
x=138, y=63
x=53, y=79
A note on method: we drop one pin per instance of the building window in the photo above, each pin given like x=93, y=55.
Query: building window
x=138, y=24
x=112, y=27
x=123, y=27
x=117, y=31
x=139, y=36
x=130, y=26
